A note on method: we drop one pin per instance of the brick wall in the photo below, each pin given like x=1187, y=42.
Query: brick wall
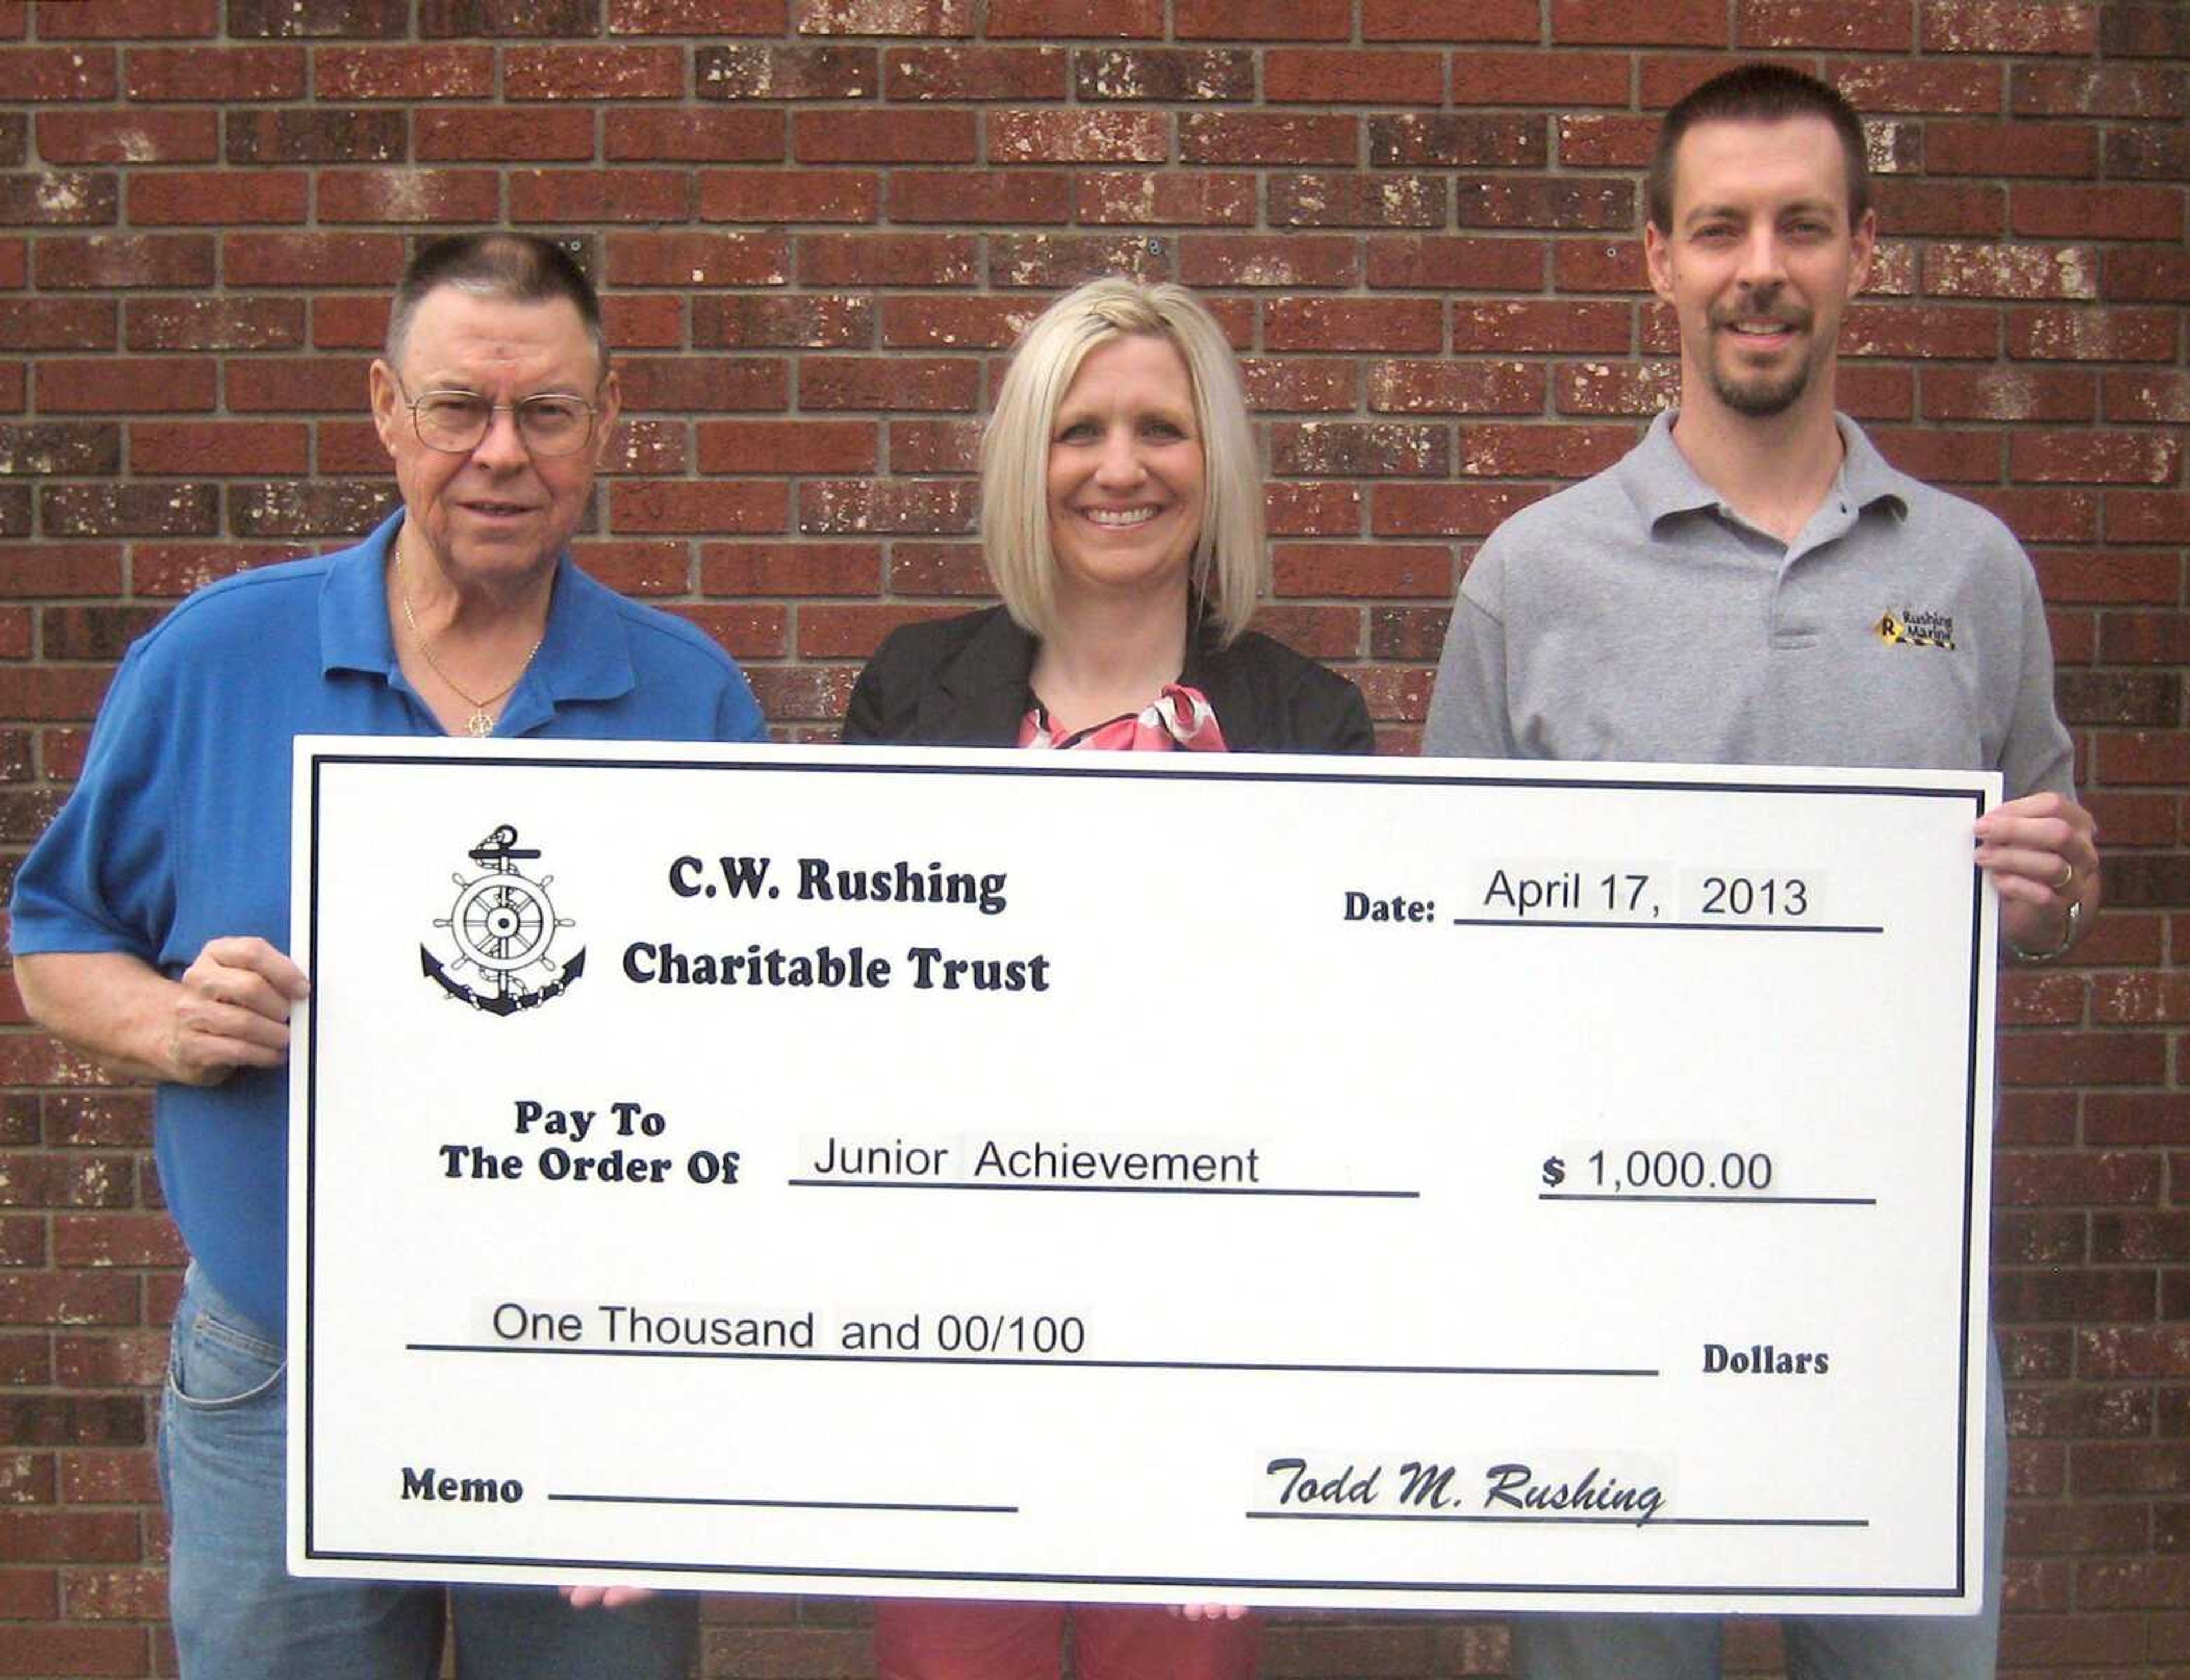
x=818, y=224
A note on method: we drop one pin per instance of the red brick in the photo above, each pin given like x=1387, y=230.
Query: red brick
x=746, y=569
x=1544, y=201
x=938, y=569
x=1464, y=265
x=58, y=324
x=1638, y=388
x=1445, y=387
x=788, y=195
x=781, y=71
x=1363, y=200
x=698, y=508
x=903, y=384
x=1171, y=75
x=53, y=73
x=1438, y=141
x=2018, y=26
x=1165, y=198
x=1365, y=571
x=56, y=198
x=1391, y=324
x=855, y=631
x=807, y=321
x=1054, y=261
x=442, y=197
x=1939, y=456
x=218, y=323
x=217, y=198
x=283, y=259
x=882, y=136
x=2011, y=149
x=126, y=385
x=1349, y=76
x=1263, y=19
x=317, y=18
x=2012, y=272
x=851, y=506
x=2104, y=90
x=934, y=445
x=1446, y=509
x=1290, y=260
x=297, y=384
x=725, y=136
x=2098, y=212
x=1648, y=23
x=1863, y=25
x=1441, y=21
x=1918, y=85
x=1350, y=449
x=2092, y=335
x=886, y=260
x=420, y=73
x=1312, y=383
x=1542, y=451
x=219, y=449
x=2103, y=1468
x=974, y=73
x=1078, y=137
x=638, y=567
x=982, y=196
x=593, y=73
x=2085, y=458
x=65, y=1650
x=2144, y=276
x=956, y=323
x=685, y=260
x=1607, y=142
x=2156, y=151
x=625, y=194
x=1314, y=511
x=1056, y=19
x=62, y=449
x=1263, y=137
x=128, y=137
x=704, y=384
x=696, y=17
x=1936, y=208
x=2042, y=515
x=444, y=136
x=2009, y=392
x=1562, y=81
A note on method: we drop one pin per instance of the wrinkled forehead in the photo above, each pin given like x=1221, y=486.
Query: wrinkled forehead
x=1759, y=162
x=461, y=335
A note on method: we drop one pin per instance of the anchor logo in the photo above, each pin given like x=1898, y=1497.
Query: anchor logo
x=502, y=925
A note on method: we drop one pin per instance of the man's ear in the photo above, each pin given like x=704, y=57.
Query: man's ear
x=1658, y=258
x=1865, y=239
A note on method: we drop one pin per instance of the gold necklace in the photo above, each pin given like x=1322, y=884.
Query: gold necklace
x=480, y=724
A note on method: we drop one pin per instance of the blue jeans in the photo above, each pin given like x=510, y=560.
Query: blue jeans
x=1819, y=1647
x=238, y=1615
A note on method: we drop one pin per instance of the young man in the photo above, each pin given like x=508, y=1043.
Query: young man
x=1753, y=584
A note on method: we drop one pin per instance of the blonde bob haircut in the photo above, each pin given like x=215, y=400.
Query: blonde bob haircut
x=1230, y=567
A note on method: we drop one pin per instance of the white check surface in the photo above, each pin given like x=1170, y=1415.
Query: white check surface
x=1300, y=1182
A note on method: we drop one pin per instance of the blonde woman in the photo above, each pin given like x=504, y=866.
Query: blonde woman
x=1121, y=521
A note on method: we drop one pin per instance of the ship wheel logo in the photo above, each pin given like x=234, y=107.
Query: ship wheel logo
x=502, y=925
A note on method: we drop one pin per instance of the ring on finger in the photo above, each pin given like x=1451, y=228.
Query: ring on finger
x=2067, y=877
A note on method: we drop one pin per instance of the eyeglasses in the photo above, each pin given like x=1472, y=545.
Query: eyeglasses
x=455, y=421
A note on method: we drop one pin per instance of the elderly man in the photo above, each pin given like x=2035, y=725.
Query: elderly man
x=1754, y=584
x=151, y=922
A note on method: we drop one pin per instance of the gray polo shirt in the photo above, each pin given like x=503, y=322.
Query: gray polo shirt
x=1637, y=616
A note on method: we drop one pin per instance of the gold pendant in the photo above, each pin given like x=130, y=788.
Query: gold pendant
x=479, y=725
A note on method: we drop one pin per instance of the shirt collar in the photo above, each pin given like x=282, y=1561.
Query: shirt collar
x=585, y=653
x=1661, y=482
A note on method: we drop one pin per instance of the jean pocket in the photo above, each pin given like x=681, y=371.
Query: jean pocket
x=213, y=1365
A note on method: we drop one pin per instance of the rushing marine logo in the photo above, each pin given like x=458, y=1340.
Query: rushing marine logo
x=1917, y=630
x=502, y=924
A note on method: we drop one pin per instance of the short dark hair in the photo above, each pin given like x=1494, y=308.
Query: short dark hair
x=521, y=268
x=1759, y=93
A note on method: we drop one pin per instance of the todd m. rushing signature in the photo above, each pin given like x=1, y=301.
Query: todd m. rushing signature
x=1514, y=1491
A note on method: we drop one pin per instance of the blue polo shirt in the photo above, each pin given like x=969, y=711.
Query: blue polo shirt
x=178, y=832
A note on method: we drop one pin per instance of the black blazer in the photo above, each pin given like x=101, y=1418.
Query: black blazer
x=963, y=682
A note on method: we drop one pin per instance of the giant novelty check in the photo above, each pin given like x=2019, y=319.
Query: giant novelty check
x=1167, y=1178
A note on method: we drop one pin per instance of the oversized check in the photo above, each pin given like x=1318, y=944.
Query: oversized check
x=1103, y=1177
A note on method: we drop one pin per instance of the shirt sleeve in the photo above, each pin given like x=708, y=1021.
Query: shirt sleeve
x=737, y=715
x=2037, y=756
x=101, y=878
x=1469, y=716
